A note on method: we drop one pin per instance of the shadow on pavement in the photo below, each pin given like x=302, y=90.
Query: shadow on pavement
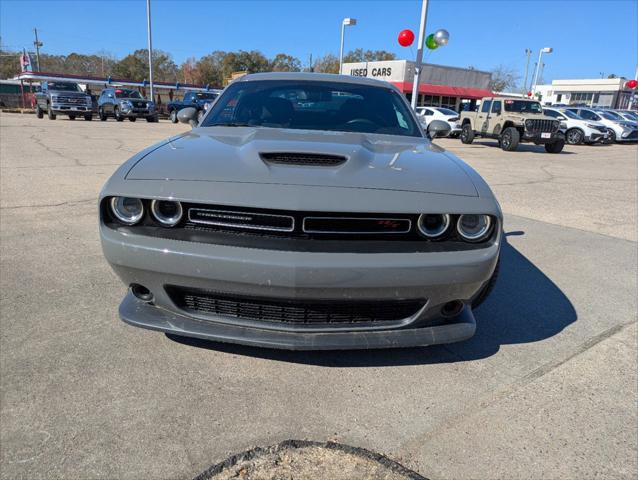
x=525, y=306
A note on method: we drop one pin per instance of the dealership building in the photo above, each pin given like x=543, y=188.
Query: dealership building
x=442, y=86
x=598, y=92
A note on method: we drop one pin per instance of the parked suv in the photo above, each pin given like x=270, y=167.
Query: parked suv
x=578, y=130
x=197, y=100
x=124, y=103
x=511, y=121
x=62, y=98
x=620, y=130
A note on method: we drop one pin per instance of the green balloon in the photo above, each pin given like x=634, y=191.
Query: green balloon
x=430, y=42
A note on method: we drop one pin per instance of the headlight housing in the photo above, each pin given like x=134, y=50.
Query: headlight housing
x=589, y=125
x=433, y=225
x=167, y=212
x=127, y=210
x=473, y=227
x=126, y=104
x=528, y=123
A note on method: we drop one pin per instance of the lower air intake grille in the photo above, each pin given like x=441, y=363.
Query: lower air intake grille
x=293, y=311
x=306, y=159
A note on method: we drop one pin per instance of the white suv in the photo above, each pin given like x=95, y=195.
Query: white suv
x=427, y=114
x=619, y=129
x=578, y=130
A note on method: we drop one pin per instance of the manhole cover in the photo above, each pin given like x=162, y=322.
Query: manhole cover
x=300, y=460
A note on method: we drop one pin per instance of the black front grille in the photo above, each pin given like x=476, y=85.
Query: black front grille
x=305, y=159
x=292, y=311
x=633, y=135
x=540, y=126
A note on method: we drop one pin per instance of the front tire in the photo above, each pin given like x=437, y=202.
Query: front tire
x=71, y=117
x=555, y=147
x=132, y=119
x=118, y=115
x=509, y=139
x=101, y=114
x=173, y=116
x=574, y=136
x=467, y=134
x=50, y=113
x=612, y=136
x=38, y=112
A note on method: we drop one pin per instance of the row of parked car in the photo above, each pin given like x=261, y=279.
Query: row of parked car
x=512, y=121
x=67, y=98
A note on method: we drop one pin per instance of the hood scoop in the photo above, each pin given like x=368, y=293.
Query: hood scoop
x=303, y=159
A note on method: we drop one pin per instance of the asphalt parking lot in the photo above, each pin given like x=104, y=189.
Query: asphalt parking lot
x=547, y=388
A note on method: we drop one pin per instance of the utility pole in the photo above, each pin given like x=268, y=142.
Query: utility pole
x=150, y=48
x=540, y=75
x=419, y=54
x=37, y=44
x=528, y=52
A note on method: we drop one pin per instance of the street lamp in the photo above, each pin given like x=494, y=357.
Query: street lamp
x=538, y=65
x=347, y=22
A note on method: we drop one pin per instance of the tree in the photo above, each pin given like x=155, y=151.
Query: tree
x=503, y=79
x=329, y=63
x=9, y=64
x=211, y=68
x=135, y=66
x=190, y=71
x=360, y=55
x=285, y=63
x=244, y=61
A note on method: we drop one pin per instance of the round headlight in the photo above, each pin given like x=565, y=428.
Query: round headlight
x=474, y=228
x=433, y=225
x=127, y=210
x=166, y=212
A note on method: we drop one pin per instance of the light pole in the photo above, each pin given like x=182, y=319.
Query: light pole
x=538, y=67
x=347, y=22
x=150, y=48
x=419, y=55
x=528, y=52
x=37, y=44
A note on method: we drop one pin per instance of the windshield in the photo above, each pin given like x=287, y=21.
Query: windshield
x=630, y=115
x=570, y=114
x=64, y=86
x=611, y=116
x=522, y=106
x=313, y=105
x=206, y=96
x=447, y=111
x=126, y=93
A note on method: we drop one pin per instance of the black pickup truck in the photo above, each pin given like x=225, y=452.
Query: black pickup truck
x=196, y=100
x=63, y=98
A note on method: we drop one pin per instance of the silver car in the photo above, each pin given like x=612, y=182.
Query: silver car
x=306, y=211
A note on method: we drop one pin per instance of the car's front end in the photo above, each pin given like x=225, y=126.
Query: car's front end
x=542, y=130
x=70, y=103
x=301, y=239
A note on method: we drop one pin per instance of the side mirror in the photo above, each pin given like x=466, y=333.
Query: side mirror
x=188, y=115
x=438, y=128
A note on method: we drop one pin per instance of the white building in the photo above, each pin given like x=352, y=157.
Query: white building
x=598, y=92
x=439, y=85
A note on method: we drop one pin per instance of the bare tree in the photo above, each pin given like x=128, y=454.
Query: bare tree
x=504, y=79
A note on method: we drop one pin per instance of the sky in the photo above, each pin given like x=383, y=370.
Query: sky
x=589, y=38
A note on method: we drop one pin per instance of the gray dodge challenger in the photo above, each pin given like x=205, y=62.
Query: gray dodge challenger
x=305, y=211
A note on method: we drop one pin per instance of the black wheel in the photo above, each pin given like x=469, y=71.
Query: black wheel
x=101, y=114
x=118, y=115
x=555, y=147
x=88, y=117
x=50, y=113
x=509, y=139
x=173, y=116
x=574, y=136
x=71, y=117
x=467, y=134
x=132, y=119
x=152, y=119
x=611, y=138
x=38, y=111
x=486, y=289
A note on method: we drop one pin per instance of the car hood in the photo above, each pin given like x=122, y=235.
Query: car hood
x=68, y=94
x=232, y=154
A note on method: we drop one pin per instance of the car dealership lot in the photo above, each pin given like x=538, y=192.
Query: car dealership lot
x=546, y=388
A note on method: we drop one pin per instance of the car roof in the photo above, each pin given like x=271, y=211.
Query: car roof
x=317, y=77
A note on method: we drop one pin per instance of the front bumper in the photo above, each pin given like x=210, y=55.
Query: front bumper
x=595, y=137
x=438, y=277
x=540, y=139
x=59, y=108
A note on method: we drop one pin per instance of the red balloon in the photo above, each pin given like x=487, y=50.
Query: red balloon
x=406, y=37
x=529, y=94
x=632, y=83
